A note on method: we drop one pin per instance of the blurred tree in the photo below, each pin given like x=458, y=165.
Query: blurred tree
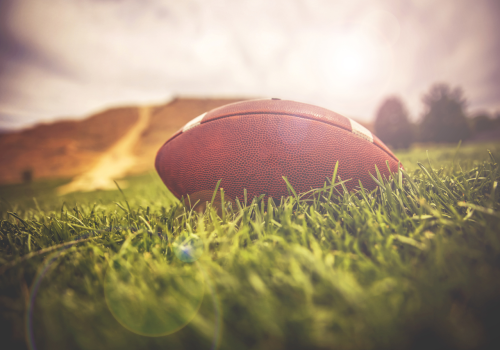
x=483, y=122
x=444, y=119
x=392, y=125
x=496, y=120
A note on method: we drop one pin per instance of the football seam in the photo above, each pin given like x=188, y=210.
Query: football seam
x=287, y=114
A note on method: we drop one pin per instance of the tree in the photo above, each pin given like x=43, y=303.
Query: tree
x=392, y=125
x=444, y=119
x=483, y=122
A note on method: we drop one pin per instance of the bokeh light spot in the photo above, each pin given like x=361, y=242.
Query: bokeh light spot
x=188, y=248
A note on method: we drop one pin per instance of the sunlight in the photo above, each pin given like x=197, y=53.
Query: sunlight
x=351, y=61
x=358, y=62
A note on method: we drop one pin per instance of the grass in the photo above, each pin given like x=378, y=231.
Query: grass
x=414, y=264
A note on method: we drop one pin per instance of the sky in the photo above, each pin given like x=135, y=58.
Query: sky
x=71, y=58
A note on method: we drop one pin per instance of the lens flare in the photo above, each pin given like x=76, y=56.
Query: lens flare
x=150, y=296
x=146, y=294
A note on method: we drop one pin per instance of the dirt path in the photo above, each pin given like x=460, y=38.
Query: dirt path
x=113, y=164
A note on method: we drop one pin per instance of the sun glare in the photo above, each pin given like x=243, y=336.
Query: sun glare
x=358, y=63
x=350, y=61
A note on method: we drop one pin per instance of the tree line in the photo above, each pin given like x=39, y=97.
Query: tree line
x=444, y=119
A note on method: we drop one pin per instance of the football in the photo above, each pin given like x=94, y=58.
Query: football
x=252, y=144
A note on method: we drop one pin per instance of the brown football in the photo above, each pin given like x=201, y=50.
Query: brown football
x=252, y=144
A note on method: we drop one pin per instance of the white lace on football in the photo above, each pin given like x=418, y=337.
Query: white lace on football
x=195, y=122
x=361, y=131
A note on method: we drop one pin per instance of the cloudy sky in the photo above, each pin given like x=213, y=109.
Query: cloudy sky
x=70, y=58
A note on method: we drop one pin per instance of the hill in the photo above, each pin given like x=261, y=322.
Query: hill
x=69, y=148
x=64, y=148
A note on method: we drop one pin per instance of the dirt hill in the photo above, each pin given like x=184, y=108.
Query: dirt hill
x=62, y=149
x=70, y=148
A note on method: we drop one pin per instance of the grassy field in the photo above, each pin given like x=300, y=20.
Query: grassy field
x=412, y=265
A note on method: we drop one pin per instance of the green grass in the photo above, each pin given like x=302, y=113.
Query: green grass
x=412, y=265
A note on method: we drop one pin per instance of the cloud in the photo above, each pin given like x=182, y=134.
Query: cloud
x=69, y=58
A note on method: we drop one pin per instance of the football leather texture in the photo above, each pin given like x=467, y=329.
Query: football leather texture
x=253, y=144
